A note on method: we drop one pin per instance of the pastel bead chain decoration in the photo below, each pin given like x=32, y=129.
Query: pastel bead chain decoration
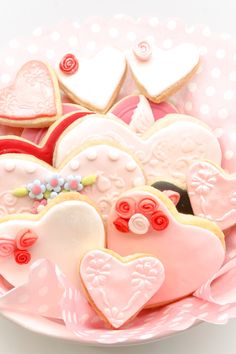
x=142, y=50
x=69, y=64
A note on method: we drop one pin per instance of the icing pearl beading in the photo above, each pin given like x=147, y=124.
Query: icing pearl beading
x=10, y=166
x=142, y=50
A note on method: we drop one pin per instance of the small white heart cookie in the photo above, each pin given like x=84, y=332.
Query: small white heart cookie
x=162, y=72
x=96, y=81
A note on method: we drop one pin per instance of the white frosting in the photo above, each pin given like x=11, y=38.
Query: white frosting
x=97, y=78
x=142, y=118
x=164, y=68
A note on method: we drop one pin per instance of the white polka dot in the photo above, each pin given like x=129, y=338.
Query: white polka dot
x=14, y=43
x=91, y=45
x=210, y=91
x=228, y=95
x=76, y=24
x=113, y=32
x=189, y=29
x=32, y=48
x=43, y=291
x=55, y=36
x=30, y=168
x=232, y=76
x=229, y=154
x=10, y=61
x=43, y=308
x=225, y=36
x=50, y=53
x=37, y=32
x=151, y=39
x=218, y=132
x=215, y=73
x=188, y=106
x=153, y=21
x=167, y=43
x=171, y=25
x=131, y=36
x=73, y=41
x=95, y=28
x=220, y=53
x=206, y=32
x=223, y=113
x=233, y=137
x=203, y=50
x=204, y=109
x=192, y=86
x=23, y=299
x=42, y=272
x=5, y=78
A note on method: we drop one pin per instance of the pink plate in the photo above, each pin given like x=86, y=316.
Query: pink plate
x=210, y=96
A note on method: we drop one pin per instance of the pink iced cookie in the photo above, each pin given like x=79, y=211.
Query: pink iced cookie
x=33, y=99
x=60, y=229
x=103, y=272
x=212, y=193
x=115, y=171
x=165, y=151
x=145, y=220
x=36, y=134
x=140, y=113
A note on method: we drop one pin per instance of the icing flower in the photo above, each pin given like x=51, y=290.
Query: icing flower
x=22, y=256
x=25, y=238
x=7, y=247
x=138, y=224
x=55, y=183
x=147, y=205
x=73, y=183
x=97, y=271
x=144, y=275
x=142, y=50
x=36, y=189
x=204, y=181
x=69, y=64
x=125, y=207
x=159, y=220
x=121, y=224
x=38, y=206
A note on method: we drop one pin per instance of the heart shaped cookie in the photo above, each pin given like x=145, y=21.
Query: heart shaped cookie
x=139, y=277
x=43, y=150
x=66, y=229
x=115, y=171
x=96, y=82
x=145, y=220
x=212, y=193
x=165, y=151
x=163, y=72
x=33, y=99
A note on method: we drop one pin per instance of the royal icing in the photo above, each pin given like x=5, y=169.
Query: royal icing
x=212, y=193
x=96, y=82
x=43, y=151
x=166, y=151
x=164, y=71
x=139, y=277
x=33, y=98
x=136, y=110
x=115, y=171
x=182, y=245
x=64, y=232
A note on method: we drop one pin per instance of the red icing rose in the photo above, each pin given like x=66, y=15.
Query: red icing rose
x=25, y=238
x=121, y=224
x=22, y=256
x=125, y=207
x=147, y=206
x=159, y=220
x=69, y=64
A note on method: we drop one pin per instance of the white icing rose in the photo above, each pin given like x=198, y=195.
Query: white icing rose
x=138, y=224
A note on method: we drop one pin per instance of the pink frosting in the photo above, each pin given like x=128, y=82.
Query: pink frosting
x=182, y=249
x=139, y=278
x=212, y=193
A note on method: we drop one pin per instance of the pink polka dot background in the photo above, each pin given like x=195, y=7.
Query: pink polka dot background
x=47, y=303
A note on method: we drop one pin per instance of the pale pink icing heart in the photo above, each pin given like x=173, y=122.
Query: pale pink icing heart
x=116, y=171
x=165, y=151
x=32, y=98
x=182, y=244
x=212, y=193
x=68, y=229
x=103, y=273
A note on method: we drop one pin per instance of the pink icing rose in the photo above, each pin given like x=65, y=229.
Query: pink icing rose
x=25, y=238
x=125, y=207
x=7, y=247
x=147, y=206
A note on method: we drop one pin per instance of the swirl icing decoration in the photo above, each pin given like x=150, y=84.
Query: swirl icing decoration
x=142, y=50
x=18, y=247
x=42, y=191
x=69, y=64
x=139, y=217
